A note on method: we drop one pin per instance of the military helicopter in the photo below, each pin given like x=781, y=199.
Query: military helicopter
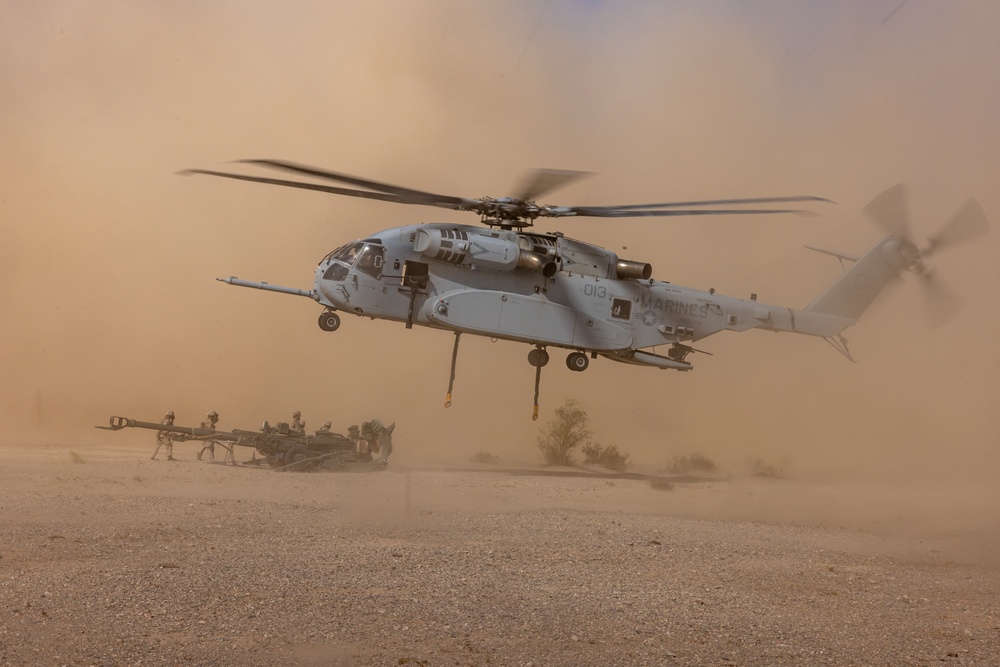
x=504, y=281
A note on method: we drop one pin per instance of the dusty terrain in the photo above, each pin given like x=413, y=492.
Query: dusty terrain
x=108, y=558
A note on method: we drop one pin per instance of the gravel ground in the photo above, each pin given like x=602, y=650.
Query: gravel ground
x=125, y=561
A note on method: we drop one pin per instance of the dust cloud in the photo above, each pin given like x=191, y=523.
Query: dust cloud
x=108, y=258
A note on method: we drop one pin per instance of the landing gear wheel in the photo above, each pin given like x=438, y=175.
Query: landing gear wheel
x=329, y=321
x=577, y=361
x=538, y=357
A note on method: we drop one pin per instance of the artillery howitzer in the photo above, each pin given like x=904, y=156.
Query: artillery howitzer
x=281, y=448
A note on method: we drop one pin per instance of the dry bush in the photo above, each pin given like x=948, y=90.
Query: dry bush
x=568, y=430
x=609, y=457
x=661, y=484
x=485, y=457
x=760, y=468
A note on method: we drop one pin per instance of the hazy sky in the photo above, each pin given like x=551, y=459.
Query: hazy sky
x=108, y=258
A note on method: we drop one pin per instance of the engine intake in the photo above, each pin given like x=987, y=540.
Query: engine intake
x=480, y=251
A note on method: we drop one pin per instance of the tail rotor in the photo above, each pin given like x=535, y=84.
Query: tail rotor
x=890, y=212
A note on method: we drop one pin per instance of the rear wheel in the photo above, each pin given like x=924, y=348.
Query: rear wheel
x=577, y=361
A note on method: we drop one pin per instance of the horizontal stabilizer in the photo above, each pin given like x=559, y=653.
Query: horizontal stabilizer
x=838, y=255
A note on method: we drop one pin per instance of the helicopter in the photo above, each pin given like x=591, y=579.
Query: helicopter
x=505, y=281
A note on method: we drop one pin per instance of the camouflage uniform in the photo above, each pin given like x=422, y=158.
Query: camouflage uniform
x=209, y=425
x=370, y=433
x=297, y=427
x=355, y=436
x=163, y=438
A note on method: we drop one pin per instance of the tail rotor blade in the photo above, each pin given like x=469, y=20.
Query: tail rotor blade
x=890, y=211
x=968, y=224
x=940, y=303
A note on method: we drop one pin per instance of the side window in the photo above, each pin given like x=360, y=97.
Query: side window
x=371, y=260
x=621, y=309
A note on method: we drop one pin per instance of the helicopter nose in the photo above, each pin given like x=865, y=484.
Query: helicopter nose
x=332, y=292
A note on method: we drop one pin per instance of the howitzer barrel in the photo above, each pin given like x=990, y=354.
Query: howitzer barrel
x=118, y=423
x=237, y=437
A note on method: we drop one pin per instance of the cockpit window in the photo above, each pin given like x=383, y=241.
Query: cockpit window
x=348, y=253
x=371, y=260
x=365, y=257
x=336, y=272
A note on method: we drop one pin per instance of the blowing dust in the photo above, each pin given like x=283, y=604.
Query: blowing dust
x=109, y=258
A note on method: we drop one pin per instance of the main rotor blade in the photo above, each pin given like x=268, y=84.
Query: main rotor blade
x=968, y=224
x=610, y=212
x=429, y=198
x=890, y=211
x=380, y=196
x=539, y=181
x=715, y=202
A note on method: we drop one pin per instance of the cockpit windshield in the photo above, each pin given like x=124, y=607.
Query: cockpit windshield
x=366, y=257
x=348, y=253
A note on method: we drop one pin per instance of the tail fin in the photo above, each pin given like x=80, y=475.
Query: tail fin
x=854, y=291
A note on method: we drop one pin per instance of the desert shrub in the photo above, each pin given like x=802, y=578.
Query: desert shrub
x=567, y=430
x=609, y=457
x=760, y=468
x=485, y=457
x=661, y=484
x=693, y=463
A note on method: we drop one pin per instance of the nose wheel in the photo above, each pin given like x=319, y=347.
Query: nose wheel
x=329, y=321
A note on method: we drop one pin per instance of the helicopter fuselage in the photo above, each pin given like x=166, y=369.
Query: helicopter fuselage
x=542, y=289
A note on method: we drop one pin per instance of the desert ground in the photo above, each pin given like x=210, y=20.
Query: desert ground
x=109, y=558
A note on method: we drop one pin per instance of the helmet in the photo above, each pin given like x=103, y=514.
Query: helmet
x=296, y=414
x=170, y=413
x=352, y=427
x=327, y=424
x=213, y=415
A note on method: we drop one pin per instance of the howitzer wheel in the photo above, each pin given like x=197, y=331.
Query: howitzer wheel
x=297, y=454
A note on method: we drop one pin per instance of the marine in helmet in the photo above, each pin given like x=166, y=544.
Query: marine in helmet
x=163, y=438
x=211, y=419
x=362, y=441
x=298, y=426
x=325, y=428
x=371, y=433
